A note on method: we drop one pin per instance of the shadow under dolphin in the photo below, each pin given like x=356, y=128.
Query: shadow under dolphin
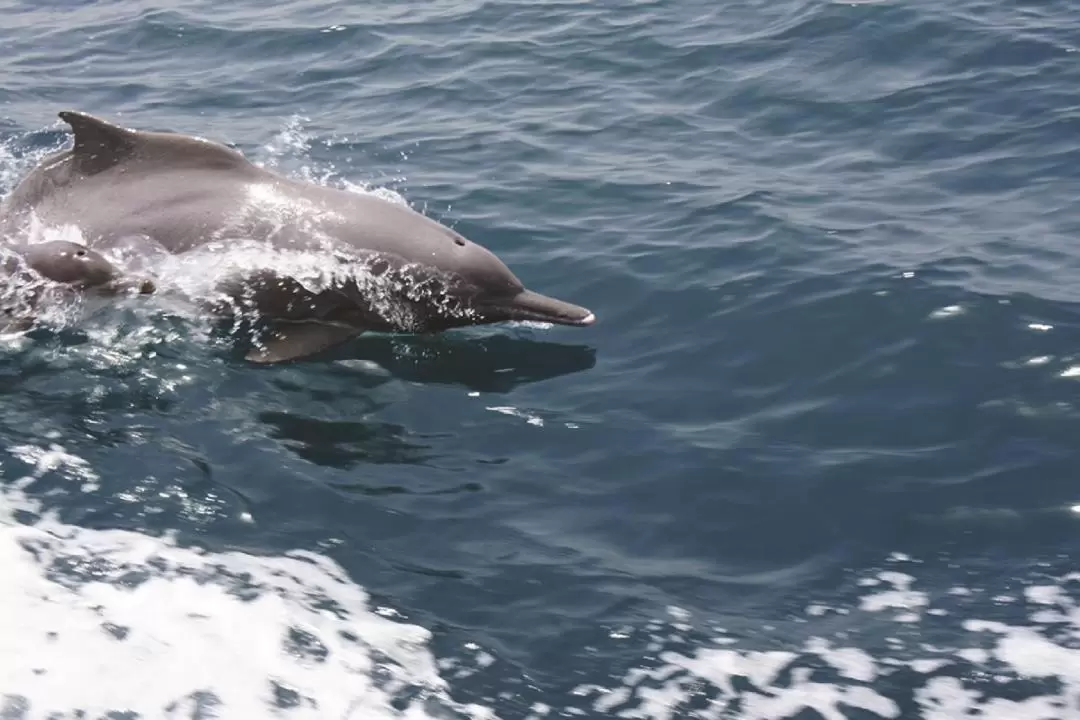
x=343, y=444
x=489, y=364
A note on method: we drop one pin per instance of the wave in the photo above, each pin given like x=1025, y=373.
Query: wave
x=115, y=621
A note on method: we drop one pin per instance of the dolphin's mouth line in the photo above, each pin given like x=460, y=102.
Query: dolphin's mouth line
x=529, y=305
x=588, y=319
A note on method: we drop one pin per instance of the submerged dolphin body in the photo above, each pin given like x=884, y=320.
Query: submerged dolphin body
x=400, y=270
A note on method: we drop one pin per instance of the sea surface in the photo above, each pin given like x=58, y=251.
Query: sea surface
x=817, y=459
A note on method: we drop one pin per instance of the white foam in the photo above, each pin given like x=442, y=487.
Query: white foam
x=855, y=667
x=107, y=620
x=947, y=311
x=850, y=662
x=528, y=417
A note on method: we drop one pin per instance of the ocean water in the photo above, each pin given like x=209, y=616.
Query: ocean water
x=817, y=459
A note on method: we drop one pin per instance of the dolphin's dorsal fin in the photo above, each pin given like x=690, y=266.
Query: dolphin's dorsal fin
x=99, y=145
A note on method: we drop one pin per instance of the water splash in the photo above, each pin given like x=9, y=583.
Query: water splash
x=882, y=658
x=291, y=142
x=398, y=296
x=113, y=621
x=288, y=152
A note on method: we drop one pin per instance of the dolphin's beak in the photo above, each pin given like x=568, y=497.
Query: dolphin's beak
x=529, y=305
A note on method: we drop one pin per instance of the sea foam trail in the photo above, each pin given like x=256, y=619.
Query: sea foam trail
x=100, y=621
x=892, y=650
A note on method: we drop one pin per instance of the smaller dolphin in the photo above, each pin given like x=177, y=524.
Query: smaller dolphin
x=82, y=268
x=66, y=268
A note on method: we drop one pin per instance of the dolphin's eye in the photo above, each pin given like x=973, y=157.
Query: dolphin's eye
x=80, y=253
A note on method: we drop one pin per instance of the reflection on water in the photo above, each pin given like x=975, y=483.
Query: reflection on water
x=342, y=444
x=496, y=363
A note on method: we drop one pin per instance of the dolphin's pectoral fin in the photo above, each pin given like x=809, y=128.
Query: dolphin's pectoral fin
x=98, y=144
x=293, y=340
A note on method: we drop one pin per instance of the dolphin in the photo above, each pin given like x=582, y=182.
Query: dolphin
x=84, y=268
x=400, y=270
x=53, y=272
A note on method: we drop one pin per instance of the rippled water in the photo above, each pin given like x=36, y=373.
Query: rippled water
x=816, y=459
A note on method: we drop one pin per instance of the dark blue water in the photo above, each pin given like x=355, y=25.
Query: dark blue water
x=816, y=459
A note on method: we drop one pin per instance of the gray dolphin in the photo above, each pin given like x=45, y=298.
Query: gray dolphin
x=55, y=272
x=76, y=265
x=402, y=271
